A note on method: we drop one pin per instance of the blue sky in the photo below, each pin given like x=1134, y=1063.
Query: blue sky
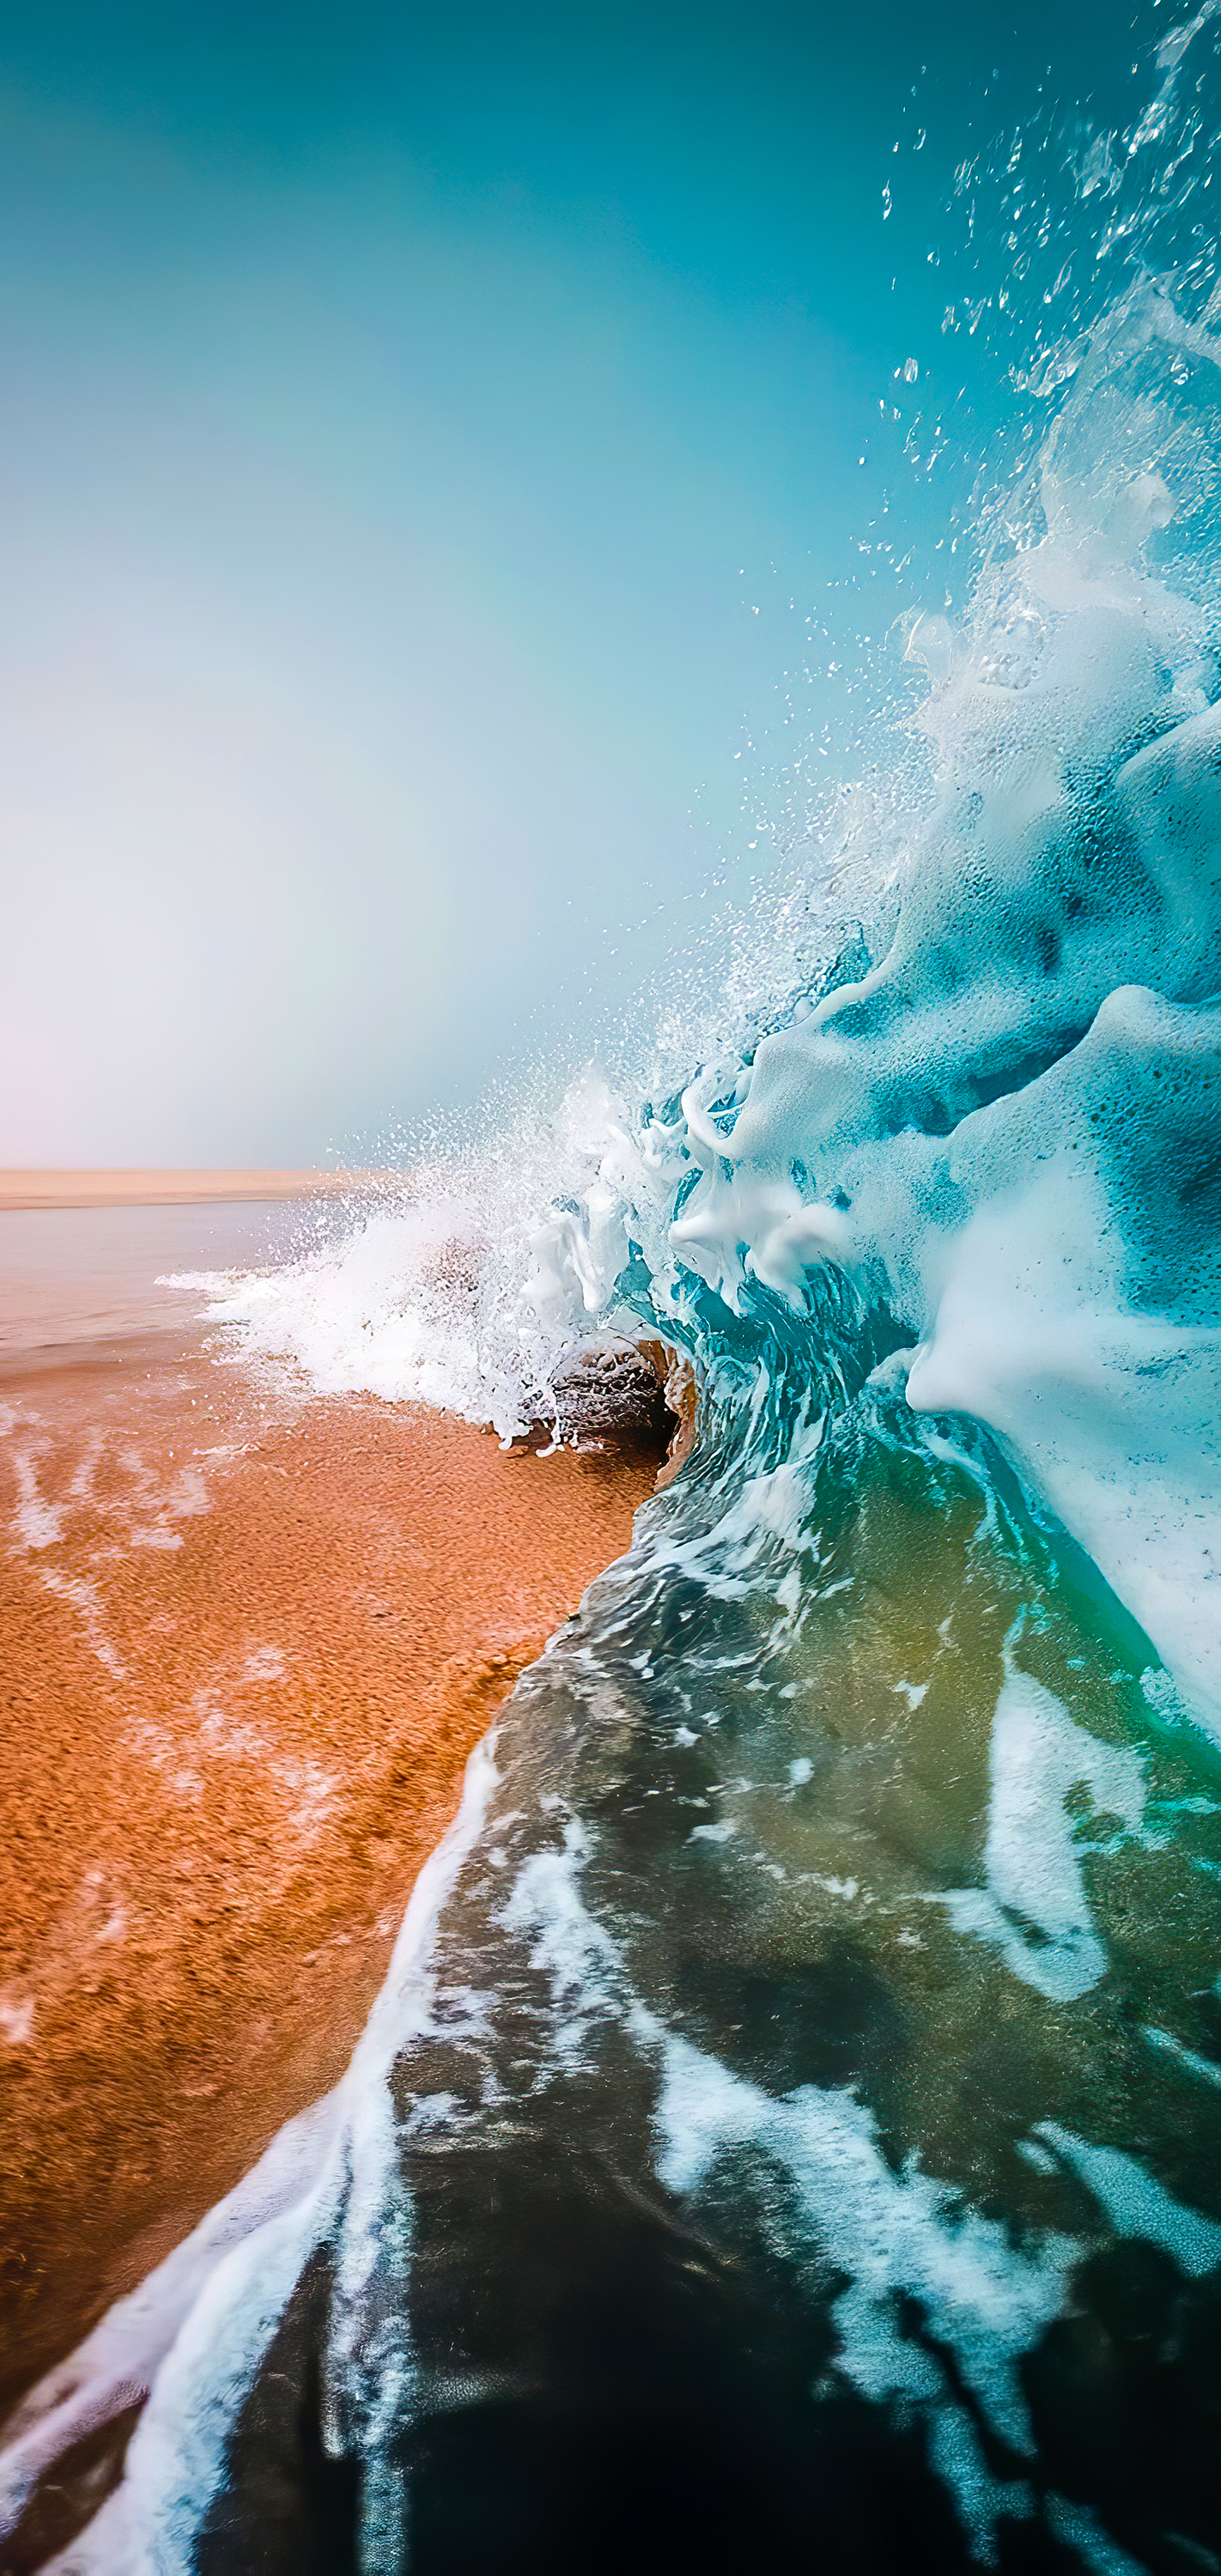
x=424, y=437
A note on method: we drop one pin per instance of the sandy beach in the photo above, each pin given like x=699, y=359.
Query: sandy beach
x=250, y=1637
x=186, y=1187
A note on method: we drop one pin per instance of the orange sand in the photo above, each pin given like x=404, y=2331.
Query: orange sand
x=248, y=1641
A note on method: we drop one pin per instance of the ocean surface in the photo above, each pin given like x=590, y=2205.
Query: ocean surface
x=790, y=2131
x=71, y=1277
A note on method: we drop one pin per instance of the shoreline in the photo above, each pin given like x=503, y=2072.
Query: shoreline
x=173, y=1187
x=253, y=1637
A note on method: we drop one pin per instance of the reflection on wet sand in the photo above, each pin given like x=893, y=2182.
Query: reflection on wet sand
x=249, y=1640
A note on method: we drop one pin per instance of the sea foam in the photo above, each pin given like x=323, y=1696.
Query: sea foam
x=1005, y=1132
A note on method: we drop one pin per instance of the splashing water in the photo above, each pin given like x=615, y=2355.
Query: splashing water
x=792, y=2119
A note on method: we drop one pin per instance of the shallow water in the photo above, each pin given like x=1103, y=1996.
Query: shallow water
x=73, y=1275
x=801, y=2110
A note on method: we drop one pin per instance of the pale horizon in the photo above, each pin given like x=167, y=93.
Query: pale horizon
x=454, y=498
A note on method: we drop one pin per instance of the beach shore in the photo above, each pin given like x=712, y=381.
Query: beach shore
x=21, y=1188
x=250, y=1639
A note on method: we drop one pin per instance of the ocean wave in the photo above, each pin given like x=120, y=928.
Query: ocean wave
x=810, y=2124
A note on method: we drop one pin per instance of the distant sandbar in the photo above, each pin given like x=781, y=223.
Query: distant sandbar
x=83, y=1189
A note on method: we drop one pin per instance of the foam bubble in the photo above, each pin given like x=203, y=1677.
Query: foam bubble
x=1034, y=1908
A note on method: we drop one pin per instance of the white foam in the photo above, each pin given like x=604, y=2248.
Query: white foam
x=1135, y=2203
x=1052, y=1252
x=893, y=2233
x=191, y=2337
x=1034, y=1909
x=1004, y=1128
x=37, y=1523
x=1205, y=2069
x=1039, y=1327
x=465, y=1288
x=758, y=1542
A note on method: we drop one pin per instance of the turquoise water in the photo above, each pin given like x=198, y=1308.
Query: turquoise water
x=791, y=2122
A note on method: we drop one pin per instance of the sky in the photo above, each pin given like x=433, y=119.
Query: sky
x=429, y=440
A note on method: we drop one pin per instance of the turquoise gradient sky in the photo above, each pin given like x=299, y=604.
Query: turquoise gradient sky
x=423, y=437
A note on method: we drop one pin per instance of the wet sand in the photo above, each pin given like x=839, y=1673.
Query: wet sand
x=249, y=1638
x=99, y=1274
